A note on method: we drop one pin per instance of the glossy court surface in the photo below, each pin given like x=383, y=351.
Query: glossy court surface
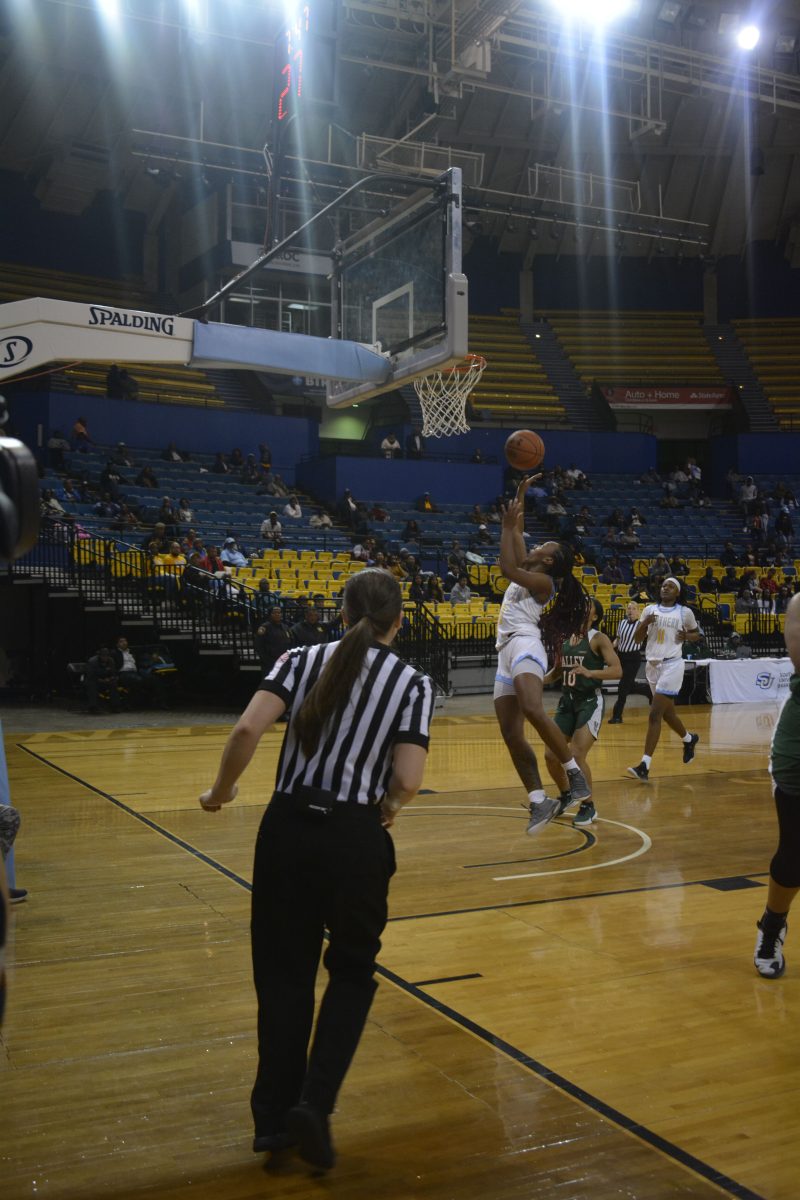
x=573, y=1016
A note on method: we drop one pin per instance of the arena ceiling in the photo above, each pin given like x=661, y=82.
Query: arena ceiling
x=654, y=135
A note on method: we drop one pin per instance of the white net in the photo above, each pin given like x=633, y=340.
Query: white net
x=443, y=396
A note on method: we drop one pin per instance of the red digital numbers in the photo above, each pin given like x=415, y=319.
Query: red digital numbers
x=291, y=72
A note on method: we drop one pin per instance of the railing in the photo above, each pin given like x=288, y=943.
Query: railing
x=219, y=613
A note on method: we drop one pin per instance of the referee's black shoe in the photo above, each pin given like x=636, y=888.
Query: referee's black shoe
x=688, y=748
x=271, y=1143
x=615, y=720
x=308, y=1128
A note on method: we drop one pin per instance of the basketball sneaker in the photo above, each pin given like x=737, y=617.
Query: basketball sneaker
x=541, y=814
x=641, y=773
x=564, y=801
x=585, y=815
x=768, y=956
x=688, y=748
x=578, y=787
x=17, y=895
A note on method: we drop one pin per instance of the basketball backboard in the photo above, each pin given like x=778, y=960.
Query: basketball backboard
x=397, y=287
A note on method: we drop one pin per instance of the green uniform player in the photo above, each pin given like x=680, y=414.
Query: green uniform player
x=784, y=766
x=587, y=659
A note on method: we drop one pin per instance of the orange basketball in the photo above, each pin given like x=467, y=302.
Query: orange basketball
x=524, y=450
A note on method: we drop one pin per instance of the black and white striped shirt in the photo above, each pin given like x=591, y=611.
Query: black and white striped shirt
x=392, y=702
x=625, y=632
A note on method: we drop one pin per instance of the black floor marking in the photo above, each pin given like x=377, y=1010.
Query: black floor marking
x=446, y=979
x=648, y=1136
x=591, y=840
x=736, y=883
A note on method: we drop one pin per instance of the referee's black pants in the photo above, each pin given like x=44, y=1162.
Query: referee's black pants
x=314, y=873
x=629, y=661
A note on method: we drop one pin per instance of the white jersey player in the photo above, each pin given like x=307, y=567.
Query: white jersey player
x=665, y=627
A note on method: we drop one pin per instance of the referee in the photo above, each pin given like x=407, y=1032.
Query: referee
x=630, y=656
x=353, y=754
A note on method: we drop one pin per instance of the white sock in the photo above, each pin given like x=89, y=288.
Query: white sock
x=686, y=738
x=571, y=765
x=537, y=796
x=647, y=759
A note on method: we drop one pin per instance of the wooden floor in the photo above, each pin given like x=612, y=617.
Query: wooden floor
x=574, y=1016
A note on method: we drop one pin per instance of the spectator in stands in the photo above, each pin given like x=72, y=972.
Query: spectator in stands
x=730, y=580
x=554, y=511
x=755, y=530
x=272, y=639
x=748, y=597
x=174, y=556
x=425, y=504
x=114, y=389
x=80, y=435
x=650, y=476
x=264, y=455
x=390, y=447
x=748, y=557
x=110, y=480
x=418, y=591
x=172, y=453
x=748, y=494
x=635, y=518
x=292, y=509
x=612, y=571
x=784, y=526
x=49, y=505
x=236, y=460
x=461, y=593
x=191, y=543
x=707, y=583
x=320, y=520
x=101, y=677
x=769, y=583
x=219, y=466
x=185, y=511
x=147, y=478
x=122, y=456
x=349, y=510
x=629, y=537
x=159, y=536
x=279, y=487
x=657, y=574
x=231, y=555
x=250, y=472
x=577, y=478
x=679, y=567
x=57, y=447
x=782, y=598
x=477, y=457
x=457, y=558
x=494, y=516
x=363, y=551
x=670, y=500
x=376, y=513
x=106, y=506
x=611, y=536
x=168, y=516
x=128, y=674
x=214, y=563
x=480, y=538
x=411, y=533
x=395, y=567
x=478, y=516
x=415, y=446
x=435, y=589
x=68, y=493
x=732, y=481
x=616, y=519
x=272, y=530
x=729, y=557
x=308, y=631
x=126, y=519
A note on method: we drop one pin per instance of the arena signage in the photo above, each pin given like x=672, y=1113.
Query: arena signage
x=14, y=350
x=667, y=397
x=117, y=318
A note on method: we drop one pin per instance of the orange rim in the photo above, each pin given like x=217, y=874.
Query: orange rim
x=470, y=361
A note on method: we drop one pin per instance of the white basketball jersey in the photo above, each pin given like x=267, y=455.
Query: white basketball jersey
x=662, y=635
x=519, y=613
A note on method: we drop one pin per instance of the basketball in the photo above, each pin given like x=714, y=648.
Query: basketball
x=524, y=450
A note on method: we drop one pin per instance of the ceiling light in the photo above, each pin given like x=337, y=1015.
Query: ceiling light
x=748, y=37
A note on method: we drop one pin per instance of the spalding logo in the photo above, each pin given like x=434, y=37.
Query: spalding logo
x=14, y=349
x=150, y=322
x=764, y=680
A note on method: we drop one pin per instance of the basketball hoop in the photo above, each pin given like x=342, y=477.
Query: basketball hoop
x=443, y=396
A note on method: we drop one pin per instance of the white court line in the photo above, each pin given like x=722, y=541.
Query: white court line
x=645, y=846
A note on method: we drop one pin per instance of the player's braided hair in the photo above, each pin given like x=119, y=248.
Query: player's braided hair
x=566, y=613
x=372, y=603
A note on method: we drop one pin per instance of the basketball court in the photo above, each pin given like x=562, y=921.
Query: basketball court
x=572, y=1015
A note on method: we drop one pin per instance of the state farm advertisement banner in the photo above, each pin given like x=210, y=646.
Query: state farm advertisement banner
x=668, y=397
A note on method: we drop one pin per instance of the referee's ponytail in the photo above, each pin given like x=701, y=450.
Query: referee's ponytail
x=372, y=603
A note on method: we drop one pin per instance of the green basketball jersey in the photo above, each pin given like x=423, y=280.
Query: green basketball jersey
x=784, y=762
x=578, y=687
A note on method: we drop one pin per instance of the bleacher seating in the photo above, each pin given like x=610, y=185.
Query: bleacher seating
x=20, y=282
x=159, y=383
x=616, y=348
x=773, y=348
x=514, y=382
